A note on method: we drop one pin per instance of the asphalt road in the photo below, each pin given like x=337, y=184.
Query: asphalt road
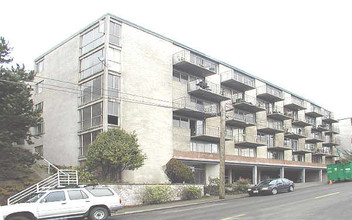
x=314, y=203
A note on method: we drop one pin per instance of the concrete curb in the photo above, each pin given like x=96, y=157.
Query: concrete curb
x=239, y=196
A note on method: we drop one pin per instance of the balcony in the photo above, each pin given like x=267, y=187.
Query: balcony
x=206, y=90
x=277, y=113
x=194, y=64
x=237, y=81
x=314, y=138
x=300, y=123
x=244, y=140
x=318, y=152
x=240, y=119
x=271, y=128
x=314, y=111
x=185, y=107
x=330, y=142
x=247, y=103
x=207, y=134
x=328, y=117
x=295, y=133
x=270, y=94
x=297, y=150
x=319, y=128
x=332, y=129
x=329, y=152
x=294, y=103
x=286, y=146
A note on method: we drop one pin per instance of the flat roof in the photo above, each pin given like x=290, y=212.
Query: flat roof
x=175, y=43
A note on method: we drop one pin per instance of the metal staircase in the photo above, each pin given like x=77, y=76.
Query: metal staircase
x=59, y=179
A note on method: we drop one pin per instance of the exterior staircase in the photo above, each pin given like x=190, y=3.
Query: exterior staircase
x=60, y=179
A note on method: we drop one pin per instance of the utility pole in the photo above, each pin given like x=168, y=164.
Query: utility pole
x=222, y=149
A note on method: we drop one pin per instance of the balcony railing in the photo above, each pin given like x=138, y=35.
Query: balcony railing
x=294, y=132
x=237, y=115
x=203, y=109
x=332, y=129
x=294, y=103
x=314, y=111
x=331, y=141
x=237, y=81
x=207, y=130
x=247, y=103
x=194, y=64
x=207, y=90
x=270, y=93
x=328, y=117
x=246, y=140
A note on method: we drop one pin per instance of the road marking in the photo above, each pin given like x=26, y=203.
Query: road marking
x=318, y=197
x=233, y=217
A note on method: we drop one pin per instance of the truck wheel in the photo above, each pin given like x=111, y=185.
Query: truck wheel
x=19, y=217
x=98, y=213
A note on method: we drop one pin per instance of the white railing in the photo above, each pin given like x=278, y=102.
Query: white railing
x=231, y=74
x=59, y=179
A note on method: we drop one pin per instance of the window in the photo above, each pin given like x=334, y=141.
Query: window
x=93, y=38
x=92, y=64
x=113, y=112
x=40, y=66
x=180, y=122
x=91, y=90
x=77, y=194
x=114, y=59
x=113, y=85
x=39, y=129
x=98, y=192
x=182, y=77
x=54, y=197
x=115, y=33
x=204, y=147
x=39, y=150
x=278, y=155
x=39, y=107
x=39, y=87
x=86, y=140
x=91, y=116
x=245, y=152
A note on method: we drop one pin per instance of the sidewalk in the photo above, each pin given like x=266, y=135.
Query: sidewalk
x=210, y=199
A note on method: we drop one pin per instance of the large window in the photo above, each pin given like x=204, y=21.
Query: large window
x=298, y=157
x=245, y=152
x=92, y=64
x=93, y=38
x=115, y=34
x=39, y=106
x=113, y=112
x=91, y=116
x=39, y=87
x=91, y=90
x=183, y=77
x=204, y=147
x=85, y=141
x=278, y=155
x=114, y=59
x=180, y=122
x=39, y=129
x=40, y=66
x=113, y=85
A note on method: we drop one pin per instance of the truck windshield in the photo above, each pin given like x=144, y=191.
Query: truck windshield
x=33, y=198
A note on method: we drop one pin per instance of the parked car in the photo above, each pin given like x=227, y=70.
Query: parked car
x=94, y=202
x=272, y=186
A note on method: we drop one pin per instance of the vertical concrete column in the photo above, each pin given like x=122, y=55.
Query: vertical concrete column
x=320, y=175
x=230, y=175
x=282, y=172
x=255, y=175
x=303, y=175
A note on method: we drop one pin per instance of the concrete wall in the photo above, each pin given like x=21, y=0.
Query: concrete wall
x=132, y=195
x=345, y=136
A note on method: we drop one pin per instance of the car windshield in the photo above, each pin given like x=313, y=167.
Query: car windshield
x=266, y=182
x=33, y=198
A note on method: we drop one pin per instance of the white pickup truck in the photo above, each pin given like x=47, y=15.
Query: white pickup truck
x=94, y=202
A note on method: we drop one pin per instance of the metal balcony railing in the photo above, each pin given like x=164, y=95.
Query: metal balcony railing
x=199, y=61
x=266, y=89
x=239, y=77
x=188, y=104
x=295, y=101
x=275, y=110
x=239, y=97
x=238, y=115
x=277, y=126
x=316, y=136
x=205, y=85
x=207, y=130
x=297, y=131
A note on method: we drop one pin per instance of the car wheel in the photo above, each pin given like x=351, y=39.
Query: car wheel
x=19, y=217
x=291, y=189
x=274, y=191
x=98, y=213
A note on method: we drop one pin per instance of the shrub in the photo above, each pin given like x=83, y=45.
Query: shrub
x=214, y=181
x=212, y=190
x=178, y=172
x=241, y=185
x=192, y=192
x=157, y=194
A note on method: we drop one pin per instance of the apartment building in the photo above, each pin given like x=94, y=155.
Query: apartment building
x=114, y=73
x=345, y=134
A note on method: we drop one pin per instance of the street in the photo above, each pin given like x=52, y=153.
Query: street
x=319, y=202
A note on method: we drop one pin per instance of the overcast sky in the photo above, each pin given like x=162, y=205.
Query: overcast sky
x=302, y=46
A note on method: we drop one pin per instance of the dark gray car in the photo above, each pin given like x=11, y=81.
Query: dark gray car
x=272, y=186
